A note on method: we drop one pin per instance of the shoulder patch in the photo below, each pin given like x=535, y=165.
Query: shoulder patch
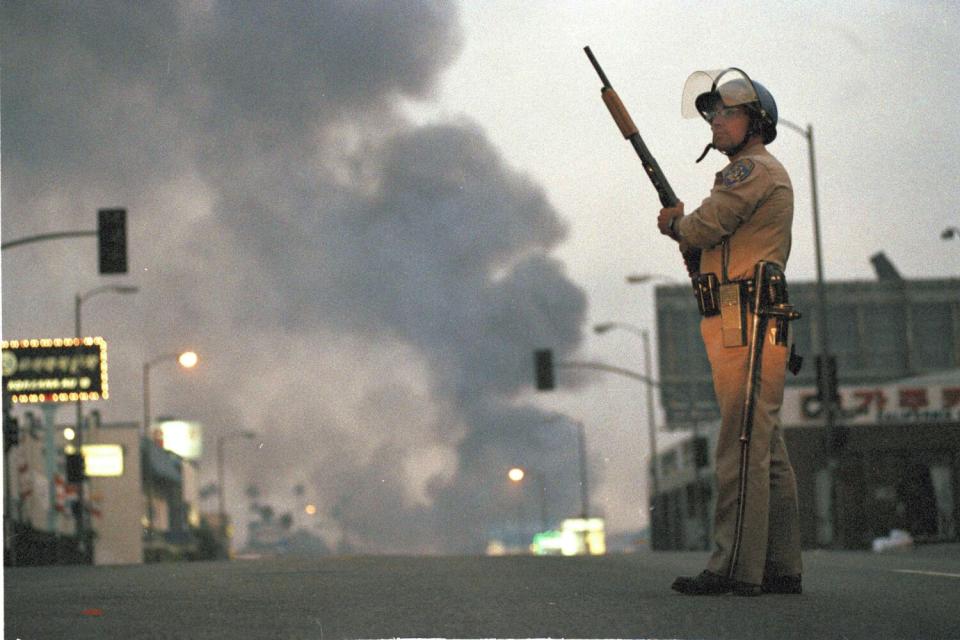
x=737, y=172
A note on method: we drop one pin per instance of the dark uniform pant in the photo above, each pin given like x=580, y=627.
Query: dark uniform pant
x=765, y=539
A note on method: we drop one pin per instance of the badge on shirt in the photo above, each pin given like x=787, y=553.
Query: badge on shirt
x=737, y=172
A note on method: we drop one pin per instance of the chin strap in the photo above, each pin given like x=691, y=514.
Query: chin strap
x=727, y=152
x=754, y=128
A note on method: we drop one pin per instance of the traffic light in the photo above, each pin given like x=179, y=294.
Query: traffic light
x=543, y=366
x=11, y=432
x=112, y=239
x=827, y=383
x=75, y=470
x=11, y=426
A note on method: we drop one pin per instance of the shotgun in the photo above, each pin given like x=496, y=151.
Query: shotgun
x=691, y=257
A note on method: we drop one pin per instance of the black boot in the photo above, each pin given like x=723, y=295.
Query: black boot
x=712, y=584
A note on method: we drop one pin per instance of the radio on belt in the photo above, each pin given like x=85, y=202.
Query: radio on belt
x=733, y=316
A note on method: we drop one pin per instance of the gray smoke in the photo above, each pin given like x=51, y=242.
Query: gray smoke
x=364, y=294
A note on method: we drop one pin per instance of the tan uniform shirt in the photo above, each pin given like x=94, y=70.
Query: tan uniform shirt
x=751, y=207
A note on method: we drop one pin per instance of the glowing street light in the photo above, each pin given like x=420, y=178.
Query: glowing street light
x=517, y=475
x=187, y=360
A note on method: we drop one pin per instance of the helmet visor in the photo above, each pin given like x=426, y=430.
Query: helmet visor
x=705, y=92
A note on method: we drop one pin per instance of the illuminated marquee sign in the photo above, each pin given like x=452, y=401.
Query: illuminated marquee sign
x=103, y=460
x=58, y=370
x=895, y=403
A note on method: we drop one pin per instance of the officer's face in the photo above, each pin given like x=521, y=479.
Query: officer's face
x=729, y=126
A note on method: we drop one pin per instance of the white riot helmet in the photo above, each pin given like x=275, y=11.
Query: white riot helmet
x=705, y=92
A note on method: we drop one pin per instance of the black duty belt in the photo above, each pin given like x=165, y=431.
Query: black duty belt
x=707, y=289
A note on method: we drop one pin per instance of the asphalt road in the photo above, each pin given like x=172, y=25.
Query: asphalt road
x=846, y=595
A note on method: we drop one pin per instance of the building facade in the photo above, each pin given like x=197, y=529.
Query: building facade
x=129, y=479
x=896, y=440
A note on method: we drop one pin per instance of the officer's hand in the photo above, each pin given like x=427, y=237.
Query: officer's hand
x=666, y=215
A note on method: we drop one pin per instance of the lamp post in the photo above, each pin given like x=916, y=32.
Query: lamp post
x=221, y=503
x=584, y=491
x=582, y=464
x=78, y=301
x=517, y=475
x=187, y=360
x=651, y=419
x=596, y=366
x=823, y=344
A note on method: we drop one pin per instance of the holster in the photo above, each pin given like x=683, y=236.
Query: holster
x=729, y=300
x=706, y=289
x=775, y=301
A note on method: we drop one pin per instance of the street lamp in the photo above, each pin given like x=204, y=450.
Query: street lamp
x=597, y=366
x=517, y=475
x=78, y=301
x=584, y=492
x=604, y=327
x=582, y=458
x=187, y=360
x=823, y=345
x=655, y=462
x=249, y=435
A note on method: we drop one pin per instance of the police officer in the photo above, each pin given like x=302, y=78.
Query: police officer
x=745, y=219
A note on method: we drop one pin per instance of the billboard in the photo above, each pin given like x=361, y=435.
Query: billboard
x=902, y=402
x=103, y=460
x=183, y=437
x=55, y=370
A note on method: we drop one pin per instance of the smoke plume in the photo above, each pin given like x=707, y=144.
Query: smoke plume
x=364, y=294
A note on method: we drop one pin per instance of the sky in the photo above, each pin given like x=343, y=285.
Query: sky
x=365, y=216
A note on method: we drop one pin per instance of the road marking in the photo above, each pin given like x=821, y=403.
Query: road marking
x=928, y=573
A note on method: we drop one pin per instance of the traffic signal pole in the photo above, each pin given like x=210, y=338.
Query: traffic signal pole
x=111, y=233
x=46, y=236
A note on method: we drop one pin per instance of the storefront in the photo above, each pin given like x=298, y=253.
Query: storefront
x=898, y=461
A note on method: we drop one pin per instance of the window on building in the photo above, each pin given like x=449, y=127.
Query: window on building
x=844, y=335
x=884, y=329
x=933, y=337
